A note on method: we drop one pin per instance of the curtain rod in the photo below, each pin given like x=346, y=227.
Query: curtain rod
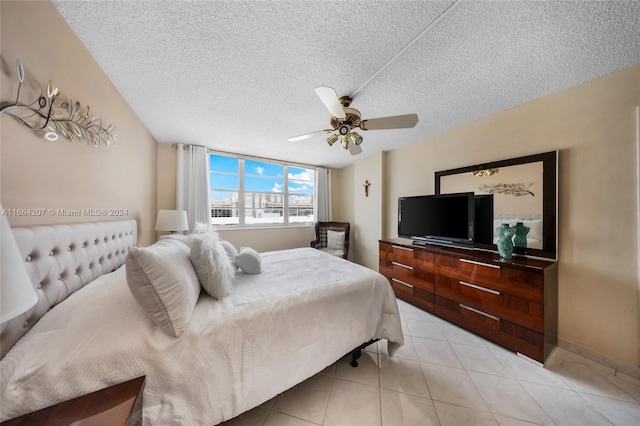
x=249, y=157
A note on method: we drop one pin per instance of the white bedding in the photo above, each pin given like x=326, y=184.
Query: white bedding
x=301, y=314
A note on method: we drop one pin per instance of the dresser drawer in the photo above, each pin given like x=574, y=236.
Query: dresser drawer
x=416, y=277
x=418, y=259
x=521, y=283
x=400, y=254
x=520, y=311
x=504, y=332
x=412, y=294
x=463, y=314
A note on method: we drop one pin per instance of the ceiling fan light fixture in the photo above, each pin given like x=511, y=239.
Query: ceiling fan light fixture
x=345, y=142
x=344, y=129
x=332, y=139
x=355, y=138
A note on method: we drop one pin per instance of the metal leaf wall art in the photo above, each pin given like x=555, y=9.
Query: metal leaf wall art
x=517, y=189
x=51, y=115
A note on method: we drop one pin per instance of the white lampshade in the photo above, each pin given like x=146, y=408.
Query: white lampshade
x=17, y=294
x=172, y=220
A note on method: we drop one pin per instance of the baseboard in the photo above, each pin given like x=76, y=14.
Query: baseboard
x=617, y=366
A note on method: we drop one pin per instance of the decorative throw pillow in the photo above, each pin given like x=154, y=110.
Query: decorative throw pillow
x=249, y=261
x=201, y=228
x=164, y=283
x=212, y=264
x=231, y=252
x=335, y=240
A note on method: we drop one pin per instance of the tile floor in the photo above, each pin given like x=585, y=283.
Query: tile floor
x=444, y=375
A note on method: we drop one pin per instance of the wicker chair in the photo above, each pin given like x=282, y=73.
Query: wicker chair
x=321, y=240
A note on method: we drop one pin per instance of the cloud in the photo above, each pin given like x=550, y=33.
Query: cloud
x=259, y=170
x=277, y=187
x=305, y=175
x=298, y=187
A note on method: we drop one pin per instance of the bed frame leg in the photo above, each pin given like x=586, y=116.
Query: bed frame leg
x=357, y=352
x=354, y=356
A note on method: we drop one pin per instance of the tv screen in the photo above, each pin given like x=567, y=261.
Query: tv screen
x=446, y=219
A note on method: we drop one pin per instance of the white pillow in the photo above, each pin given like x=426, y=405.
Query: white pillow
x=212, y=264
x=231, y=252
x=202, y=228
x=335, y=240
x=164, y=283
x=249, y=261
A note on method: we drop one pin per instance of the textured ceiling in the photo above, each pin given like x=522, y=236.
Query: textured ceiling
x=238, y=76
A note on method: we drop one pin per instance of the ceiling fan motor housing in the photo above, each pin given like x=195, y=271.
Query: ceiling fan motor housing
x=344, y=125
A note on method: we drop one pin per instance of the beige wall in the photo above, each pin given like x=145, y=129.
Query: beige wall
x=367, y=229
x=269, y=239
x=366, y=214
x=594, y=128
x=343, y=202
x=167, y=166
x=342, y=194
x=36, y=173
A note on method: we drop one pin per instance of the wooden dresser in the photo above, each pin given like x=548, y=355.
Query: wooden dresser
x=513, y=303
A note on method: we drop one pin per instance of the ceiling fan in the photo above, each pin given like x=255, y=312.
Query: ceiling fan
x=345, y=119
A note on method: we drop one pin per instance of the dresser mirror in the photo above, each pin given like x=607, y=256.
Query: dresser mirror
x=522, y=189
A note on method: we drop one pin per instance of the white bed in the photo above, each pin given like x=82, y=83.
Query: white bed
x=304, y=311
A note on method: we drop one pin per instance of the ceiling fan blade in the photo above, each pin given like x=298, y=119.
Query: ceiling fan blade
x=309, y=135
x=330, y=100
x=393, y=122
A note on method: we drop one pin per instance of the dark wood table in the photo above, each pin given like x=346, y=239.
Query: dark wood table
x=119, y=404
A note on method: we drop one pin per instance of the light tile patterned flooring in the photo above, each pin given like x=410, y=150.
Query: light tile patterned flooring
x=444, y=375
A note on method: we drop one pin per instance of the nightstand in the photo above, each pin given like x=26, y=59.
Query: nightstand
x=119, y=404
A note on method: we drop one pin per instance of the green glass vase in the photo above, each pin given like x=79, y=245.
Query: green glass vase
x=520, y=240
x=505, y=243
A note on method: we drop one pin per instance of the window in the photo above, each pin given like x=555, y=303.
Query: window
x=251, y=192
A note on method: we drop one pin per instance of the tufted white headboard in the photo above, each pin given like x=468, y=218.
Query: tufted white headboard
x=61, y=259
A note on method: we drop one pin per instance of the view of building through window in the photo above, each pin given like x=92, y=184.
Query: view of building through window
x=250, y=192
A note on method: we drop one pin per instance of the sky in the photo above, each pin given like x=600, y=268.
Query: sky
x=259, y=176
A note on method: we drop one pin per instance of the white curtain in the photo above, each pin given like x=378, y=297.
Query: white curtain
x=192, y=186
x=323, y=195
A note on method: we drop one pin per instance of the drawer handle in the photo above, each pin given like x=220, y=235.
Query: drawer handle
x=401, y=282
x=403, y=266
x=469, y=308
x=479, y=263
x=477, y=287
x=403, y=248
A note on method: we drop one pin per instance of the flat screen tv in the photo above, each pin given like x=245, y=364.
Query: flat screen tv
x=445, y=219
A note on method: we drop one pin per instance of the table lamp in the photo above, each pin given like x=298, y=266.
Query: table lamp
x=17, y=294
x=172, y=220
